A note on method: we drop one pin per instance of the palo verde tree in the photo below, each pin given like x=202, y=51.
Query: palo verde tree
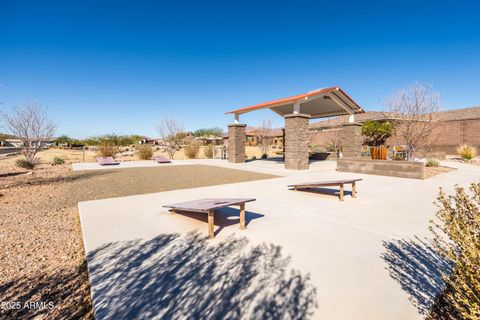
x=64, y=140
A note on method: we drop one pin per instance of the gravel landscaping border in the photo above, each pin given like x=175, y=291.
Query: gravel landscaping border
x=42, y=263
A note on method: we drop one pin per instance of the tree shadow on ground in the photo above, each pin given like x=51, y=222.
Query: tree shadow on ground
x=12, y=174
x=174, y=277
x=67, y=289
x=418, y=268
x=224, y=217
x=71, y=177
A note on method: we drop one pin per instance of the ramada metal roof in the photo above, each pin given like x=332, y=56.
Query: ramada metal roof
x=320, y=103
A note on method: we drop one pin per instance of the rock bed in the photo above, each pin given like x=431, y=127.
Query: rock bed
x=42, y=255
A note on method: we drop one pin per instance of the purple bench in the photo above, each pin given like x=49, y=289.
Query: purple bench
x=107, y=161
x=161, y=159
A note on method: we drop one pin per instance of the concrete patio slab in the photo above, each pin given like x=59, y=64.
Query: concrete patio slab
x=357, y=253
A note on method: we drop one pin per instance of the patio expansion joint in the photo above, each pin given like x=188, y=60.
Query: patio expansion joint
x=302, y=211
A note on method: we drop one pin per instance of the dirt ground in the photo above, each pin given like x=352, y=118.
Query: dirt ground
x=433, y=171
x=71, y=155
x=42, y=257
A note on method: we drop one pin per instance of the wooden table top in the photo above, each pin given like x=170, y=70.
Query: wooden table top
x=320, y=183
x=207, y=204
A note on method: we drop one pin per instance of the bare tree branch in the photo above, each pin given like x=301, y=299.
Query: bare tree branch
x=30, y=123
x=265, y=135
x=416, y=110
x=334, y=136
x=171, y=132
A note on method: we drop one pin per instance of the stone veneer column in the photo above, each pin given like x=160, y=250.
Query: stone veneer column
x=351, y=140
x=296, y=141
x=236, y=143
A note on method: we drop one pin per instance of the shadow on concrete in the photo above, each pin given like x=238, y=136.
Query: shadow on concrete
x=174, y=277
x=418, y=269
x=223, y=217
x=271, y=159
x=325, y=191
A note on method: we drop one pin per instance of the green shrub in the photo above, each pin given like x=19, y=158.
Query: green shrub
x=191, y=150
x=456, y=231
x=397, y=157
x=467, y=152
x=58, y=161
x=376, y=132
x=27, y=164
x=208, y=151
x=432, y=163
x=145, y=152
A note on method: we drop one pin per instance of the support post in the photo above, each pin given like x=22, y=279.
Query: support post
x=242, y=216
x=296, y=141
x=351, y=140
x=296, y=107
x=211, y=233
x=236, y=143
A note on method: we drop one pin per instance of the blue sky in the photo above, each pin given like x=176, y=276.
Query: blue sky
x=118, y=66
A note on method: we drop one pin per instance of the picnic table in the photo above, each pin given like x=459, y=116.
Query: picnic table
x=107, y=161
x=331, y=183
x=209, y=205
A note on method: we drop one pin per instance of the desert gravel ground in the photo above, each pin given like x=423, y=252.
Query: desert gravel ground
x=41, y=250
x=433, y=171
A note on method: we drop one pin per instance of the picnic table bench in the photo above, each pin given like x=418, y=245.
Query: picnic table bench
x=331, y=183
x=161, y=159
x=209, y=205
x=107, y=161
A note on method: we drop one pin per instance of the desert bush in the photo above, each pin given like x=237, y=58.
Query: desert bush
x=254, y=157
x=456, y=232
x=191, y=150
x=376, y=132
x=264, y=156
x=432, y=163
x=27, y=164
x=58, y=161
x=467, y=152
x=144, y=152
x=108, y=148
x=208, y=151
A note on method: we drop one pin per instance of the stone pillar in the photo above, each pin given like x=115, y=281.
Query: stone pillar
x=296, y=141
x=236, y=143
x=351, y=140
